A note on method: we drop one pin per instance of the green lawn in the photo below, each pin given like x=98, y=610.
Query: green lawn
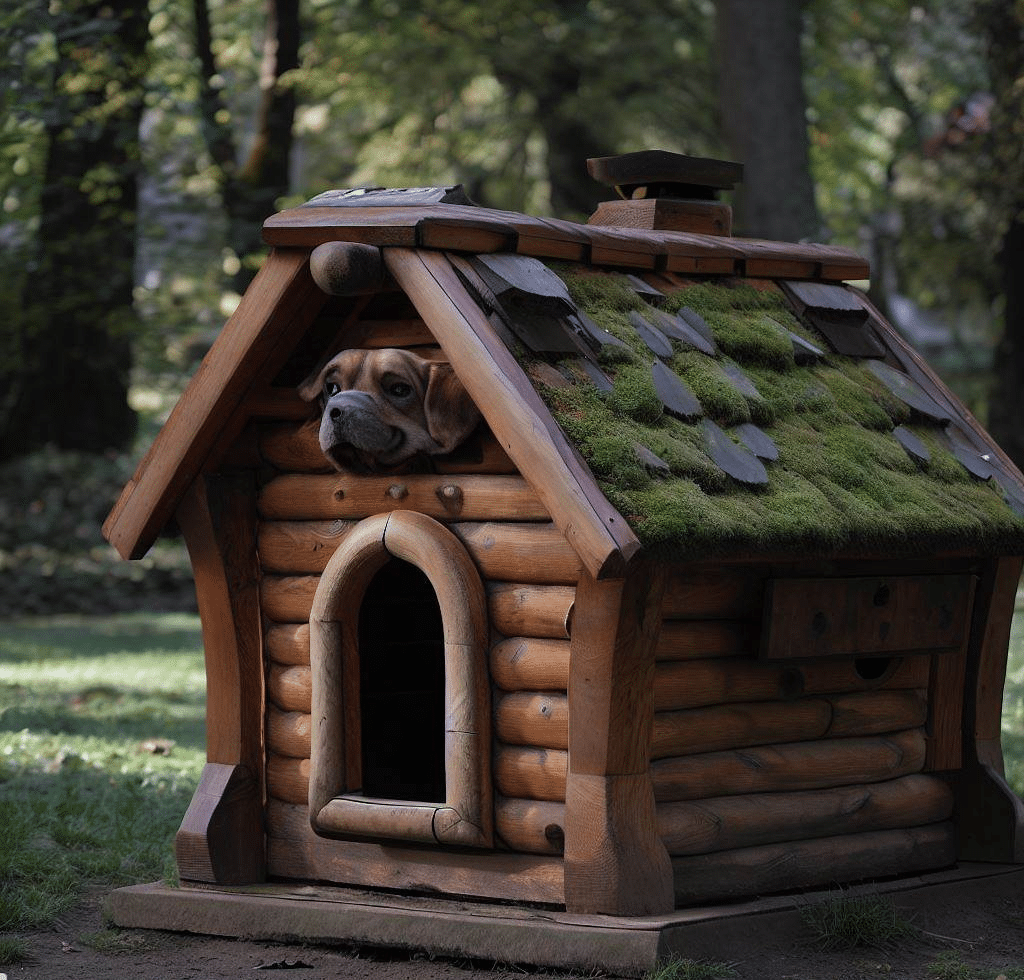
x=102, y=739
x=102, y=743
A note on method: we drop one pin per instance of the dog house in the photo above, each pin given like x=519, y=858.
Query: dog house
x=714, y=603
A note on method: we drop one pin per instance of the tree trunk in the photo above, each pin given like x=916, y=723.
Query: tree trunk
x=250, y=189
x=1002, y=24
x=764, y=117
x=68, y=383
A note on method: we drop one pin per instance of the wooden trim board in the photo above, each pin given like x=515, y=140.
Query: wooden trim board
x=617, y=945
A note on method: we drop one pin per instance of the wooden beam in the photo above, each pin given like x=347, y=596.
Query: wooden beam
x=281, y=301
x=348, y=268
x=217, y=520
x=515, y=413
x=614, y=861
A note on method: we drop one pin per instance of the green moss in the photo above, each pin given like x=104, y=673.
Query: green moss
x=842, y=481
x=633, y=394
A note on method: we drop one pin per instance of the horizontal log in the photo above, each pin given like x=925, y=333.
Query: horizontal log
x=515, y=609
x=751, y=871
x=696, y=639
x=509, y=552
x=347, y=268
x=530, y=826
x=294, y=852
x=290, y=688
x=714, y=592
x=531, y=610
x=527, y=664
x=730, y=822
x=294, y=447
x=529, y=773
x=319, y=497
x=530, y=718
x=736, y=726
x=789, y=767
x=697, y=683
x=288, y=779
x=288, y=643
x=288, y=732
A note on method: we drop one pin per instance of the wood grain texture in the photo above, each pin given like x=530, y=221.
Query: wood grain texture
x=295, y=852
x=281, y=301
x=319, y=497
x=731, y=822
x=217, y=522
x=522, y=423
x=522, y=663
x=827, y=861
x=534, y=553
x=699, y=683
x=820, y=764
x=530, y=826
x=221, y=839
x=614, y=861
x=531, y=773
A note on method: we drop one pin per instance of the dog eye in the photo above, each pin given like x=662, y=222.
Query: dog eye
x=400, y=389
x=331, y=389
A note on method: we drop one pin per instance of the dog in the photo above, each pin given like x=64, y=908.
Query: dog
x=387, y=409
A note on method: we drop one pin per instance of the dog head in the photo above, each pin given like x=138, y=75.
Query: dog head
x=382, y=408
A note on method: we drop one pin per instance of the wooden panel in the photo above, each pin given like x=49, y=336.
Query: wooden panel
x=295, y=852
x=523, y=424
x=288, y=733
x=805, y=864
x=288, y=643
x=534, y=553
x=299, y=497
x=531, y=610
x=697, y=683
x=748, y=821
x=841, y=617
x=793, y=766
x=281, y=301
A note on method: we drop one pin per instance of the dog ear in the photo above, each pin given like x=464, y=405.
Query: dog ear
x=311, y=388
x=450, y=412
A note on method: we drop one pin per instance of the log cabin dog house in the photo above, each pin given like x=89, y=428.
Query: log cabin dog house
x=713, y=604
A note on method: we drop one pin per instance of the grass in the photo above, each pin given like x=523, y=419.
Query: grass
x=684, y=969
x=950, y=965
x=849, y=922
x=101, y=746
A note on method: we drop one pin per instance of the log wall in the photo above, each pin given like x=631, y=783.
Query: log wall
x=307, y=509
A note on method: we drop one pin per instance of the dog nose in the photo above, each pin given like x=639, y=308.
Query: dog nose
x=335, y=413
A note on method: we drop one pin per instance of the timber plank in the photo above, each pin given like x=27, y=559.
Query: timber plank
x=281, y=301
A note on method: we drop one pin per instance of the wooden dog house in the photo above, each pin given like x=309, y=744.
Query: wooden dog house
x=715, y=604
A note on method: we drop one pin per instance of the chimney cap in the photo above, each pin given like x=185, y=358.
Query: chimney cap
x=660, y=173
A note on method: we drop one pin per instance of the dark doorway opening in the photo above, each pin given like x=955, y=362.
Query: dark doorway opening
x=401, y=687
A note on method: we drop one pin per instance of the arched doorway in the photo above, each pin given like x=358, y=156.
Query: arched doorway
x=369, y=653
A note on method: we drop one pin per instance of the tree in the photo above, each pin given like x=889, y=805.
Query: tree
x=1002, y=25
x=250, y=188
x=65, y=369
x=764, y=116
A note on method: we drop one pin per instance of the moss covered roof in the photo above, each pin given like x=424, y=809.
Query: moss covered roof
x=721, y=423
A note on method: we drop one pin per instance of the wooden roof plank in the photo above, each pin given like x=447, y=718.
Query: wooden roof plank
x=517, y=416
x=281, y=299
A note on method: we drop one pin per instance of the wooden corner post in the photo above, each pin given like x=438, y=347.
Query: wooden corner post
x=221, y=837
x=615, y=862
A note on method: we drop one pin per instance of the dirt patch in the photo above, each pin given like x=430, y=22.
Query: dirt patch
x=978, y=936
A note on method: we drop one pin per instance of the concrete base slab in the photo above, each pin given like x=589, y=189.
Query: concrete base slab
x=511, y=934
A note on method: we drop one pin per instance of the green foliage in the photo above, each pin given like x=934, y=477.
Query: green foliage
x=101, y=745
x=848, y=922
x=52, y=554
x=12, y=950
x=679, y=968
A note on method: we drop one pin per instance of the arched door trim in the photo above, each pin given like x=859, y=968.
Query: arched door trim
x=465, y=816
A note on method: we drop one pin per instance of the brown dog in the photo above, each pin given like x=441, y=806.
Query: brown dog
x=383, y=408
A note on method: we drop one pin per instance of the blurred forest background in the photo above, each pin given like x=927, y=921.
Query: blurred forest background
x=144, y=144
